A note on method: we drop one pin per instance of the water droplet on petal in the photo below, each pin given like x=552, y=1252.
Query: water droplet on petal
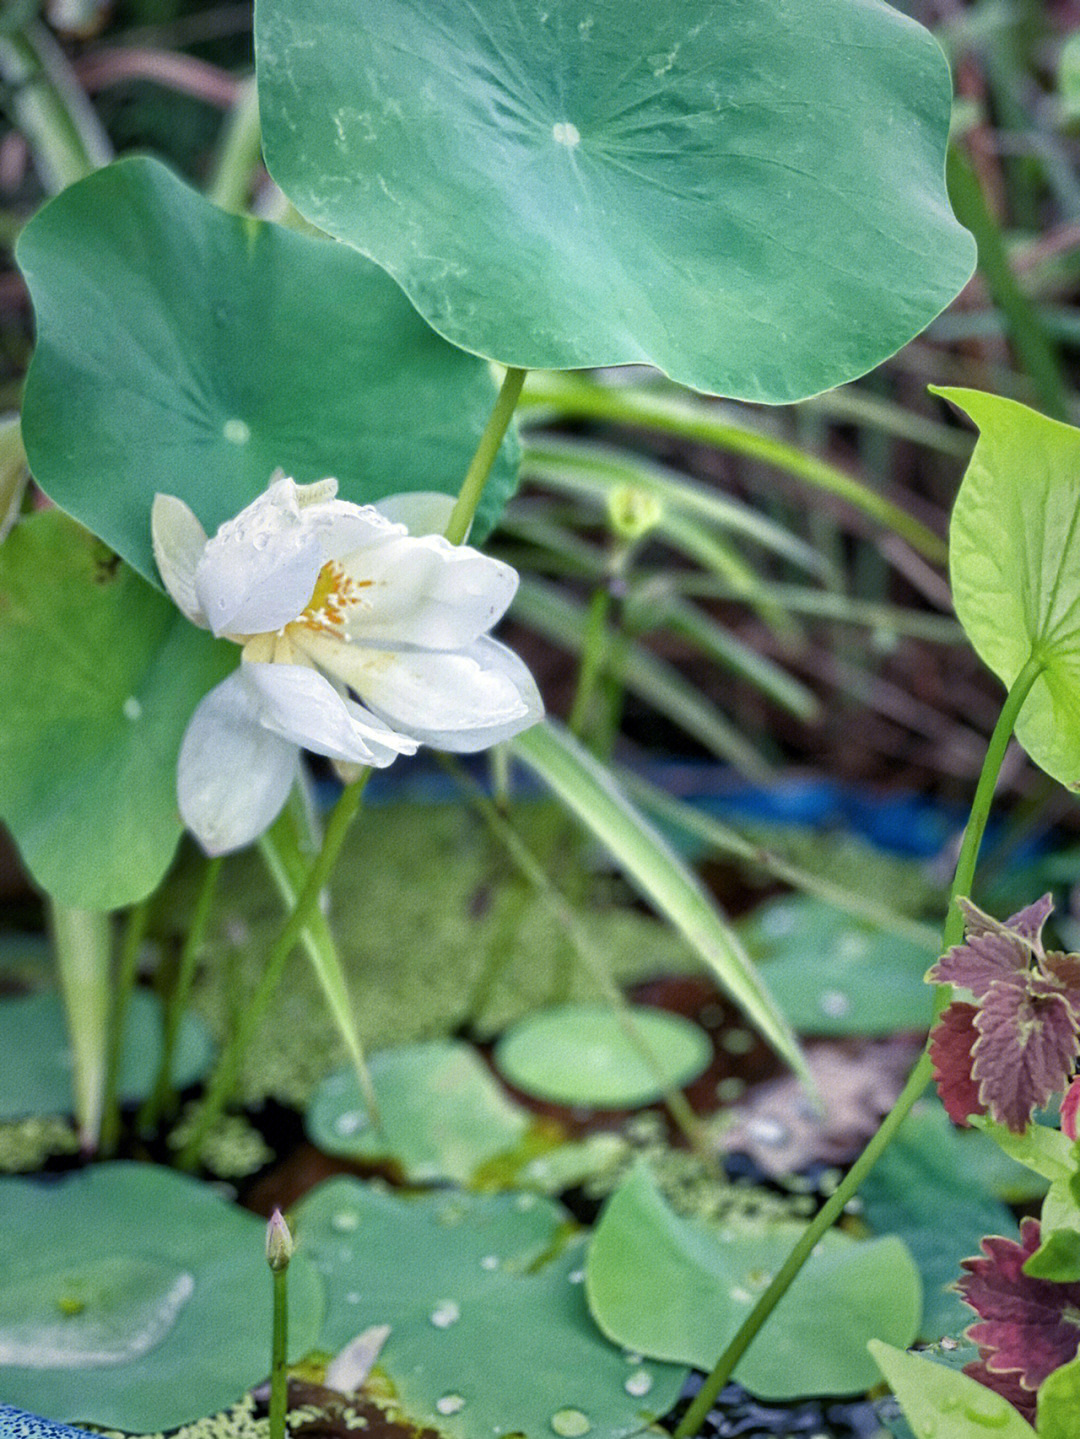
x=632, y=1358
x=132, y=708
x=450, y=1404
x=489, y=1261
x=565, y=133
x=345, y=1221
x=445, y=1313
x=639, y=1383
x=569, y=1423
x=576, y=1276
x=352, y=1297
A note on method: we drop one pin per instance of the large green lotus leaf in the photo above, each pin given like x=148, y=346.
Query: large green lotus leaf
x=137, y=1298
x=100, y=677
x=586, y=1054
x=187, y=351
x=35, y=1053
x=441, y=1113
x=833, y=974
x=1014, y=548
x=489, y=1328
x=846, y=1293
x=748, y=195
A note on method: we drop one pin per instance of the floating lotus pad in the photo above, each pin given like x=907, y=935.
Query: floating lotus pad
x=750, y=197
x=489, y=1328
x=441, y=1113
x=1014, y=558
x=136, y=1298
x=187, y=351
x=101, y=674
x=35, y=1061
x=584, y=1054
x=832, y=974
x=710, y=1279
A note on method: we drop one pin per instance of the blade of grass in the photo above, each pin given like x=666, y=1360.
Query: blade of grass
x=725, y=649
x=823, y=604
x=590, y=792
x=592, y=470
x=562, y=621
x=724, y=840
x=82, y=939
x=288, y=867
x=704, y=420
x=1030, y=343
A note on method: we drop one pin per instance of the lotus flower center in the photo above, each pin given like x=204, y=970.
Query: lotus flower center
x=333, y=594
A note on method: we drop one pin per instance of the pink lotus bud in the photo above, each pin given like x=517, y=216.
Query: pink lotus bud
x=279, y=1242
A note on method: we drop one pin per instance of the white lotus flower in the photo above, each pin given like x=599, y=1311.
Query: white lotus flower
x=334, y=603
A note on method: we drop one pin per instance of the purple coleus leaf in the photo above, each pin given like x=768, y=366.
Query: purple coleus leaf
x=1028, y=1327
x=1011, y=1051
x=951, y=1042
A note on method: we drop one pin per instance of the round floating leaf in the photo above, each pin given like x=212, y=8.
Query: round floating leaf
x=846, y=1293
x=191, y=352
x=750, y=197
x=833, y=974
x=585, y=1054
x=441, y=1114
x=1014, y=548
x=101, y=675
x=35, y=1058
x=489, y=1331
x=137, y=1298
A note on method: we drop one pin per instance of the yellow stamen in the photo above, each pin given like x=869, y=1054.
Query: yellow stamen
x=334, y=592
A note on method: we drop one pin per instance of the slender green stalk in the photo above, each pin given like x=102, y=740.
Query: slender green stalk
x=917, y=1081
x=593, y=654
x=82, y=939
x=279, y=1379
x=162, y=1098
x=65, y=136
x=126, y=972
x=279, y=1249
x=239, y=152
x=472, y=486
x=230, y=1062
